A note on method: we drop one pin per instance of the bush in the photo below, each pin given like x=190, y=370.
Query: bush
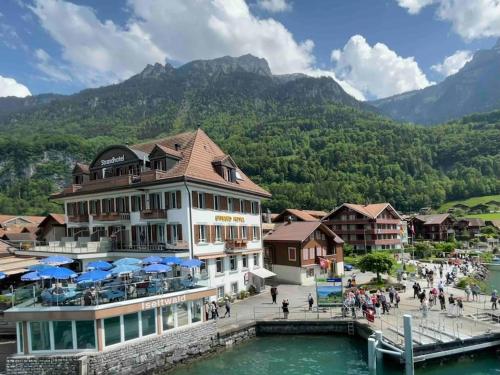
x=252, y=290
x=470, y=280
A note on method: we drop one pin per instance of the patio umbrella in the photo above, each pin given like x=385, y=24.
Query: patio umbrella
x=93, y=276
x=100, y=265
x=39, y=267
x=2, y=275
x=124, y=269
x=157, y=268
x=191, y=263
x=56, y=260
x=171, y=260
x=58, y=273
x=31, y=276
x=153, y=259
x=127, y=262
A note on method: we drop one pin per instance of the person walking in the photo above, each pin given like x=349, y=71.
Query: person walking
x=310, y=301
x=494, y=299
x=227, y=304
x=206, y=308
x=385, y=304
x=215, y=310
x=475, y=292
x=424, y=306
x=467, y=291
x=391, y=294
x=274, y=293
x=284, y=306
x=415, y=289
x=441, y=286
x=397, y=298
x=377, y=307
x=442, y=301
x=451, y=305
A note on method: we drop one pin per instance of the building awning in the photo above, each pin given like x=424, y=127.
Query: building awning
x=262, y=273
x=210, y=256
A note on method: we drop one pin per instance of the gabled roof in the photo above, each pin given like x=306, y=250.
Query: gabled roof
x=371, y=211
x=5, y=219
x=82, y=168
x=299, y=231
x=475, y=222
x=432, y=219
x=301, y=215
x=58, y=218
x=167, y=151
x=19, y=236
x=316, y=214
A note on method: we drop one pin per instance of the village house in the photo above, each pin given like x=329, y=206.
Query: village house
x=438, y=227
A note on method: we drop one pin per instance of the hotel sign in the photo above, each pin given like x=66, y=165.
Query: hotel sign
x=114, y=159
x=227, y=218
x=162, y=302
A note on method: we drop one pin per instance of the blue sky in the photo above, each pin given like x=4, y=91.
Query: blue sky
x=374, y=48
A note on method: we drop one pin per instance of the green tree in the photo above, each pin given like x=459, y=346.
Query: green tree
x=377, y=262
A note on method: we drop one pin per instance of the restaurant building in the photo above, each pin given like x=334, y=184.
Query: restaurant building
x=367, y=227
x=180, y=196
x=301, y=251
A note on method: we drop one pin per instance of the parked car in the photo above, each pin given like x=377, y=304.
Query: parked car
x=348, y=267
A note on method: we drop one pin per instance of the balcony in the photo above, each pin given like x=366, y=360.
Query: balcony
x=235, y=245
x=78, y=219
x=152, y=214
x=155, y=247
x=65, y=247
x=112, y=216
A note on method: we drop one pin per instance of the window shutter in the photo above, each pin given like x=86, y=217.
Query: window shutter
x=248, y=207
x=179, y=231
x=209, y=201
x=112, y=205
x=167, y=200
x=127, y=204
x=211, y=236
x=195, y=198
x=238, y=233
x=169, y=233
x=196, y=233
x=178, y=198
x=223, y=233
x=250, y=233
x=223, y=203
x=236, y=205
x=143, y=201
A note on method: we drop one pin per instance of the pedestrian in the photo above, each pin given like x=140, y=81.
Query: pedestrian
x=475, y=292
x=284, y=306
x=215, y=310
x=460, y=306
x=391, y=294
x=494, y=299
x=467, y=292
x=424, y=306
x=442, y=301
x=274, y=293
x=206, y=308
x=415, y=289
x=451, y=305
x=421, y=296
x=228, y=308
x=441, y=286
x=377, y=308
x=385, y=304
x=310, y=301
x=397, y=297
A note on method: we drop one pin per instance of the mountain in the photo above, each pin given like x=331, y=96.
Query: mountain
x=475, y=88
x=178, y=95
x=302, y=138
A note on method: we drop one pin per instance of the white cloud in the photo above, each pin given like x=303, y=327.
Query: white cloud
x=10, y=87
x=98, y=52
x=52, y=71
x=377, y=71
x=471, y=19
x=274, y=6
x=452, y=64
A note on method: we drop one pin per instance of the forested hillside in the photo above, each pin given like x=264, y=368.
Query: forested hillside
x=303, y=138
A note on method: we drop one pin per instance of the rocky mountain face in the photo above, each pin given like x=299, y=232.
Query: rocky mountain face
x=475, y=88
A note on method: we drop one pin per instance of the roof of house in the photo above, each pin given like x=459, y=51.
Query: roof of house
x=13, y=264
x=58, y=218
x=5, y=249
x=432, y=219
x=19, y=236
x=298, y=231
x=83, y=168
x=315, y=213
x=370, y=210
x=4, y=219
x=495, y=223
x=301, y=215
x=475, y=222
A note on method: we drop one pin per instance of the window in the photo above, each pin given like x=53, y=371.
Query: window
x=244, y=261
x=63, y=334
x=40, y=336
x=233, y=232
x=234, y=288
x=292, y=254
x=233, y=266
x=167, y=313
x=85, y=334
x=121, y=205
x=230, y=206
x=305, y=254
x=219, y=265
x=20, y=337
x=131, y=326
x=203, y=233
x=201, y=200
x=244, y=233
x=173, y=200
x=256, y=233
x=255, y=208
x=112, y=331
x=148, y=320
x=312, y=253
x=182, y=314
x=217, y=202
x=154, y=201
x=220, y=292
x=196, y=308
x=242, y=205
x=93, y=207
x=218, y=233
x=256, y=260
x=136, y=203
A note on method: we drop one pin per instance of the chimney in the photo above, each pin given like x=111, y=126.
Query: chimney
x=177, y=147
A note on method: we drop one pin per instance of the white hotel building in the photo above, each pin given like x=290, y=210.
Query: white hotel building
x=179, y=196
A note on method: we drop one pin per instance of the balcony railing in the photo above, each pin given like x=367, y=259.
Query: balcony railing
x=112, y=216
x=73, y=247
x=152, y=247
x=236, y=245
x=78, y=219
x=153, y=214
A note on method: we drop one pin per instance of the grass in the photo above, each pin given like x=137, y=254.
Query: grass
x=489, y=216
x=470, y=202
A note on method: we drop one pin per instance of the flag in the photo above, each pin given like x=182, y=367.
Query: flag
x=323, y=263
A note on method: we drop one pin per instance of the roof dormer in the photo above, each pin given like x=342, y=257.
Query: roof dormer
x=226, y=167
x=164, y=158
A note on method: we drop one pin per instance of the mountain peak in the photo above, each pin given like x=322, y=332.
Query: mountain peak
x=228, y=64
x=156, y=70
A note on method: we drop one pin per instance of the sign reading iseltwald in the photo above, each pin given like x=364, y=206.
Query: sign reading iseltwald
x=114, y=159
x=163, y=302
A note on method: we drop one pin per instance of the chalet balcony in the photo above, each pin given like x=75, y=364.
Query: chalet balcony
x=112, y=216
x=153, y=214
x=235, y=245
x=78, y=219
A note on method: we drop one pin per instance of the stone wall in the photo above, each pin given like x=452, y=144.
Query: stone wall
x=148, y=355
x=234, y=335
x=284, y=327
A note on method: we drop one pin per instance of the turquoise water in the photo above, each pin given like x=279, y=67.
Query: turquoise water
x=320, y=355
x=493, y=279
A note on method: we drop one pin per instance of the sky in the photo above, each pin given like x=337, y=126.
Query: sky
x=373, y=48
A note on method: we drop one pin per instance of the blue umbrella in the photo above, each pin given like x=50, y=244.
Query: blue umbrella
x=127, y=262
x=157, y=268
x=31, y=276
x=152, y=259
x=40, y=267
x=191, y=263
x=57, y=273
x=124, y=269
x=93, y=276
x=100, y=265
x=2, y=275
x=56, y=260
x=171, y=260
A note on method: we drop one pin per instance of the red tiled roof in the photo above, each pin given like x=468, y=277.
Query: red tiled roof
x=9, y=236
x=370, y=210
x=58, y=218
x=317, y=214
x=299, y=231
x=301, y=215
x=432, y=219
